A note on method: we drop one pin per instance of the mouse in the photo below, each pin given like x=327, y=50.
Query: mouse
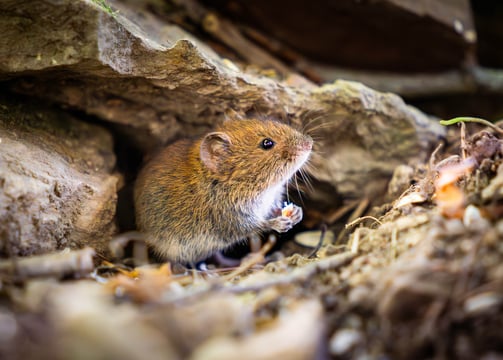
x=202, y=195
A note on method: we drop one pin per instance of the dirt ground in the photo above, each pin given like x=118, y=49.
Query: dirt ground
x=421, y=277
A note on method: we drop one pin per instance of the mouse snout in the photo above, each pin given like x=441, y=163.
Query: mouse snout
x=306, y=143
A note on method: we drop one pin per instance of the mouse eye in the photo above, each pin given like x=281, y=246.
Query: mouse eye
x=267, y=144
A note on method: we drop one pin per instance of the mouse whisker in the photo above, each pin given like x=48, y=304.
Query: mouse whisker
x=312, y=120
x=298, y=189
x=306, y=180
x=287, y=193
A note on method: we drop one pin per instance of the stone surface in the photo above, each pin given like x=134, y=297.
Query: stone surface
x=88, y=324
x=57, y=181
x=217, y=316
x=296, y=334
x=159, y=83
x=367, y=135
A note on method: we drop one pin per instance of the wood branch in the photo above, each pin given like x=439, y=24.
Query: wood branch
x=225, y=31
x=64, y=263
x=421, y=84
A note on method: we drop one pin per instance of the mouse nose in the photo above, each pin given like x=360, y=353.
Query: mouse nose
x=306, y=143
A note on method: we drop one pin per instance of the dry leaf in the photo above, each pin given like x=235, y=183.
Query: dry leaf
x=449, y=197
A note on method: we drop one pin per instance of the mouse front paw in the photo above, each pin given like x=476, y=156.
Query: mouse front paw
x=294, y=212
x=287, y=220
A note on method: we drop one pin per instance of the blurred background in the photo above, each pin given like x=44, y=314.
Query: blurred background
x=446, y=57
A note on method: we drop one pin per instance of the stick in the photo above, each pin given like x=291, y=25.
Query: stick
x=78, y=262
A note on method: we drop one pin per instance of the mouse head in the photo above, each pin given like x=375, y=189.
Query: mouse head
x=255, y=151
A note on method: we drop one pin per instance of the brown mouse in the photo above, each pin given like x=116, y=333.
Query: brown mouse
x=196, y=197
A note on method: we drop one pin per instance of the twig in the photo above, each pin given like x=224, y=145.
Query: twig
x=360, y=209
x=284, y=52
x=78, y=262
x=253, y=259
x=360, y=219
x=342, y=211
x=394, y=242
x=298, y=276
x=355, y=215
x=464, y=81
x=320, y=242
x=355, y=244
x=464, y=147
x=120, y=241
x=230, y=35
x=433, y=157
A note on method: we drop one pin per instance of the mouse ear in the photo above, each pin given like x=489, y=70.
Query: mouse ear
x=214, y=149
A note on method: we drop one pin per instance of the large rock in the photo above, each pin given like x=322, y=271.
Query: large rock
x=57, y=181
x=160, y=83
x=366, y=136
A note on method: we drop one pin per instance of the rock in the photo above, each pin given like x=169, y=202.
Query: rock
x=495, y=188
x=296, y=334
x=345, y=340
x=57, y=181
x=191, y=324
x=485, y=302
x=159, y=83
x=311, y=239
x=366, y=136
x=86, y=323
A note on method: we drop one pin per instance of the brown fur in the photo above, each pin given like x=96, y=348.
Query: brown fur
x=200, y=196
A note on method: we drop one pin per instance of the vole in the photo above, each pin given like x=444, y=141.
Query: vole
x=199, y=196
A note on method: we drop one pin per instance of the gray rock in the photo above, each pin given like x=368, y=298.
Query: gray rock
x=297, y=334
x=57, y=181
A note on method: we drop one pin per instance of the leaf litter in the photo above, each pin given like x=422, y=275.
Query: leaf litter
x=421, y=277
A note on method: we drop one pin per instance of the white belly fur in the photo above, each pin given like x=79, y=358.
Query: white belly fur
x=269, y=200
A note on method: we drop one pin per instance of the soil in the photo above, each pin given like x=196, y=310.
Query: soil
x=421, y=277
